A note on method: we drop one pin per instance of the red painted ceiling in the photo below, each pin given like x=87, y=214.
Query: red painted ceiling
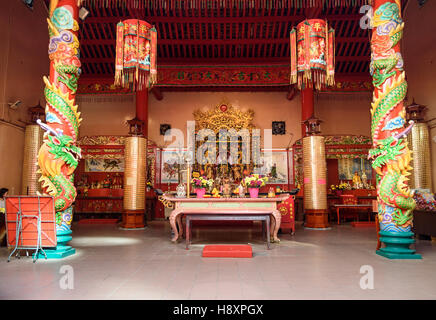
x=205, y=32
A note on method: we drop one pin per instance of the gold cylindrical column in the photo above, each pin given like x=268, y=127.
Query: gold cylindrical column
x=315, y=182
x=134, y=182
x=32, y=143
x=419, y=144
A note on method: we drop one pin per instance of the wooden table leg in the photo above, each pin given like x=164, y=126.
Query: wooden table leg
x=275, y=225
x=337, y=213
x=173, y=218
x=180, y=224
x=263, y=229
x=267, y=231
x=188, y=231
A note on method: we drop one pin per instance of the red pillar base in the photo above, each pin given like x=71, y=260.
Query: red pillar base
x=133, y=219
x=317, y=219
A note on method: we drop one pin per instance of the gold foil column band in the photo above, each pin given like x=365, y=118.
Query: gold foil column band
x=315, y=173
x=135, y=173
x=32, y=143
x=419, y=143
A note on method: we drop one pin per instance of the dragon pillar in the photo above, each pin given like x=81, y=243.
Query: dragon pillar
x=59, y=154
x=390, y=154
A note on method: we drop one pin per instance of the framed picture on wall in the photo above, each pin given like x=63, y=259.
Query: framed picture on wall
x=278, y=127
x=104, y=165
x=347, y=167
x=170, y=165
x=275, y=166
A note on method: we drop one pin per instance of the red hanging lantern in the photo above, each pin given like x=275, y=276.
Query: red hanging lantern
x=312, y=54
x=135, y=64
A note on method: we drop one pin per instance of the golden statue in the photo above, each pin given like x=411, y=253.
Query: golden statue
x=237, y=176
x=224, y=170
x=227, y=188
x=357, y=182
x=209, y=171
x=364, y=179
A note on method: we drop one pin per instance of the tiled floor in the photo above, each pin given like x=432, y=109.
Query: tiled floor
x=144, y=264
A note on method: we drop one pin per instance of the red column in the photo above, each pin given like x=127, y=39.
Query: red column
x=142, y=109
x=73, y=6
x=306, y=107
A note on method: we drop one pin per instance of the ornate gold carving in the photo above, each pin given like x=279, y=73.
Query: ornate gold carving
x=224, y=116
x=102, y=156
x=101, y=140
x=107, y=140
x=168, y=204
x=104, y=150
x=151, y=171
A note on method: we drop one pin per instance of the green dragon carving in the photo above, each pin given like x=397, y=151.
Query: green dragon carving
x=390, y=153
x=389, y=96
x=387, y=150
x=59, y=154
x=383, y=64
x=68, y=75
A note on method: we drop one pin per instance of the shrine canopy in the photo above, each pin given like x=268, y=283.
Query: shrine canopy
x=224, y=44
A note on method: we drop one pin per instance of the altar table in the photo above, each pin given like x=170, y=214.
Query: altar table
x=225, y=206
x=352, y=206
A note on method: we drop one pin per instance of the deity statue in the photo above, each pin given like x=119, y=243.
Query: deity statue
x=227, y=187
x=236, y=172
x=273, y=172
x=209, y=171
x=224, y=170
x=202, y=170
x=107, y=182
x=247, y=170
x=241, y=190
x=364, y=179
x=357, y=182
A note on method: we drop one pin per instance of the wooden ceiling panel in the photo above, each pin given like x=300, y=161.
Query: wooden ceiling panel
x=225, y=31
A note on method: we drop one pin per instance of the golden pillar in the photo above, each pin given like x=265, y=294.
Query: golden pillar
x=135, y=170
x=314, y=177
x=32, y=143
x=419, y=144
x=33, y=136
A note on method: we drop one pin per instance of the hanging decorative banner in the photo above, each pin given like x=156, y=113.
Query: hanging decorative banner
x=293, y=48
x=331, y=58
x=312, y=54
x=221, y=76
x=135, y=61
